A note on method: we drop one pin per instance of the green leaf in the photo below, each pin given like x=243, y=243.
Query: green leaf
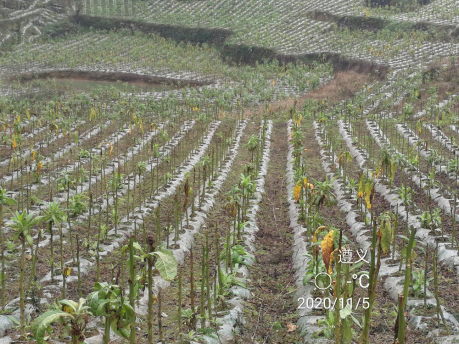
x=308, y=277
x=346, y=311
x=101, y=306
x=403, y=237
x=356, y=266
x=166, y=264
x=93, y=300
x=29, y=240
x=10, y=201
x=122, y=331
x=137, y=246
x=14, y=320
x=354, y=319
x=40, y=324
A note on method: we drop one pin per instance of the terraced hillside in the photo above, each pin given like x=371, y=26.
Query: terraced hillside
x=193, y=171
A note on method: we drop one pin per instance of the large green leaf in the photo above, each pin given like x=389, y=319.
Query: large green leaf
x=101, y=310
x=122, y=331
x=41, y=324
x=166, y=264
x=94, y=300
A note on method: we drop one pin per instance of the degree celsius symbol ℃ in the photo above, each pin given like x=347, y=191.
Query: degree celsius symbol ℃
x=354, y=277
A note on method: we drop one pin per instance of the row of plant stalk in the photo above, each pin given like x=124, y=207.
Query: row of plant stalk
x=117, y=189
x=232, y=282
x=413, y=277
x=437, y=195
x=59, y=162
x=219, y=266
x=307, y=197
x=410, y=164
x=73, y=177
x=22, y=160
x=401, y=198
x=75, y=197
x=432, y=163
x=97, y=237
x=41, y=135
x=182, y=239
x=358, y=228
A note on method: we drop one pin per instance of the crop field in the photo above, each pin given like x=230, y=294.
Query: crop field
x=209, y=171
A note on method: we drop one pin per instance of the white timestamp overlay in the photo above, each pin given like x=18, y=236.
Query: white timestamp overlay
x=329, y=303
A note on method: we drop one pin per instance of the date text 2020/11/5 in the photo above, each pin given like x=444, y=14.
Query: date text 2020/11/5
x=329, y=303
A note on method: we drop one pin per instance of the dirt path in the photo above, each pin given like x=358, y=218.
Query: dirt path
x=272, y=307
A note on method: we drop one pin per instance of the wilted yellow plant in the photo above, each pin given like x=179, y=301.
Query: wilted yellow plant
x=327, y=248
x=297, y=192
x=39, y=167
x=369, y=193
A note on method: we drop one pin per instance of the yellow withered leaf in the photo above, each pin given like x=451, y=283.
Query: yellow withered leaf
x=39, y=166
x=15, y=144
x=327, y=248
x=332, y=256
x=291, y=327
x=368, y=189
x=318, y=230
x=67, y=309
x=297, y=192
x=361, y=188
x=67, y=271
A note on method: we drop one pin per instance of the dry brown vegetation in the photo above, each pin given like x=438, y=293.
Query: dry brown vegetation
x=343, y=86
